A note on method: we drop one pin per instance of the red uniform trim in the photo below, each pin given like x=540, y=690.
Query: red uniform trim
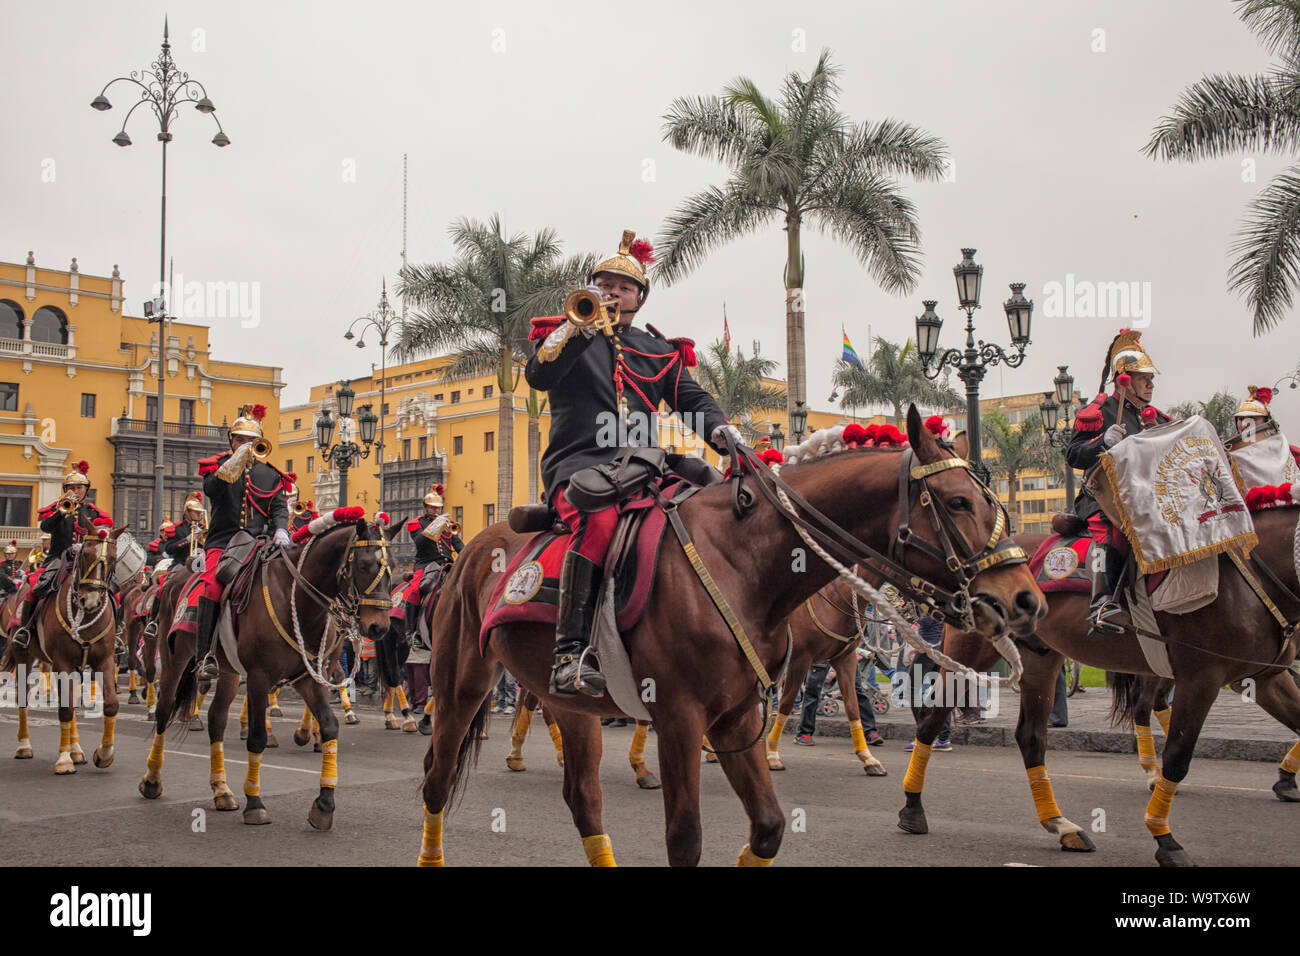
x=1089, y=420
x=544, y=325
x=208, y=465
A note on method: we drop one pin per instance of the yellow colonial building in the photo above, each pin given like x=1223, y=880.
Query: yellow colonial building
x=79, y=380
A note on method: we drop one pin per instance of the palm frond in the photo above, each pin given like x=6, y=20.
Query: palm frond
x=710, y=127
x=1267, y=268
x=704, y=222
x=744, y=92
x=1228, y=115
x=889, y=146
x=879, y=224
x=1275, y=22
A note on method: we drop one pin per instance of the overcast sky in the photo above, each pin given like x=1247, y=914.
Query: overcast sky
x=555, y=119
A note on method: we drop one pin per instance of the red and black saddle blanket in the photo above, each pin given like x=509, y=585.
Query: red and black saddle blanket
x=1060, y=564
x=529, y=589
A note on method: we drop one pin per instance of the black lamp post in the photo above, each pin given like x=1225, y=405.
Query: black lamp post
x=382, y=320
x=971, y=363
x=163, y=88
x=776, y=436
x=1057, y=410
x=798, y=422
x=346, y=454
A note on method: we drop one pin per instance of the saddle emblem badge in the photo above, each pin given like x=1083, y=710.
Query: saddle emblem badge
x=1060, y=562
x=524, y=583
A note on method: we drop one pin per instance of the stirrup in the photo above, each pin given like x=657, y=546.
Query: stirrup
x=1096, y=625
x=207, y=668
x=151, y=630
x=23, y=636
x=593, y=686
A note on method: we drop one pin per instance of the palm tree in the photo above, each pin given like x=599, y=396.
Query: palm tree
x=478, y=308
x=737, y=384
x=1217, y=410
x=793, y=159
x=1018, y=449
x=892, y=376
x=1230, y=115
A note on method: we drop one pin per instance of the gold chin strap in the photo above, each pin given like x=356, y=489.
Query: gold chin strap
x=384, y=568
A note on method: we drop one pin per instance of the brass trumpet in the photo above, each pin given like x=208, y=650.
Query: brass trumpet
x=66, y=505
x=262, y=449
x=451, y=527
x=300, y=509
x=585, y=308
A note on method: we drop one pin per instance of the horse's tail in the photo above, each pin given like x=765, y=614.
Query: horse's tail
x=1126, y=695
x=186, y=692
x=467, y=755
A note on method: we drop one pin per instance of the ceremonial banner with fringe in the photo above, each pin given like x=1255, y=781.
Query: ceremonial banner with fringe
x=1177, y=495
x=1266, y=462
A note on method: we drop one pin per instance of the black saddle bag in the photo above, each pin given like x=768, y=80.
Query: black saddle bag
x=236, y=552
x=601, y=486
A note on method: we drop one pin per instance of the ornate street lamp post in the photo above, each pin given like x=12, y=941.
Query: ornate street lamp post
x=1057, y=410
x=163, y=88
x=347, y=453
x=971, y=363
x=382, y=320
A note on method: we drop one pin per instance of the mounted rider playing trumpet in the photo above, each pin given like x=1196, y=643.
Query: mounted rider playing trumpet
x=437, y=542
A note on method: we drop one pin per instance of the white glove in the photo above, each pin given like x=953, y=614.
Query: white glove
x=1114, y=435
x=282, y=538
x=717, y=440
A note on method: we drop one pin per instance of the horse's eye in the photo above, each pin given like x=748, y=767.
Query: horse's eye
x=959, y=504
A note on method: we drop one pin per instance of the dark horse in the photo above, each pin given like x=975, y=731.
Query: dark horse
x=345, y=569
x=1231, y=641
x=683, y=649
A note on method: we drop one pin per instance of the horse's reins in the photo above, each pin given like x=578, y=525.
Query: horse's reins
x=73, y=623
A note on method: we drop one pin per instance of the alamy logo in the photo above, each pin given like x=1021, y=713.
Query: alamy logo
x=1084, y=299
x=77, y=909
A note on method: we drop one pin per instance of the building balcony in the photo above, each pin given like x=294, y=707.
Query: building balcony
x=25, y=536
x=148, y=428
x=413, y=466
x=28, y=347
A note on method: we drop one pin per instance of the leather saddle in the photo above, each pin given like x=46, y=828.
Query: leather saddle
x=240, y=562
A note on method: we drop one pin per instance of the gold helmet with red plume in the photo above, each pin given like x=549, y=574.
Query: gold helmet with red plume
x=11, y=549
x=434, y=496
x=78, y=475
x=631, y=261
x=1256, y=404
x=249, y=422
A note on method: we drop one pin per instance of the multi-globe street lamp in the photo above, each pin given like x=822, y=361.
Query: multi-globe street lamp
x=383, y=320
x=163, y=88
x=971, y=363
x=1057, y=410
x=347, y=453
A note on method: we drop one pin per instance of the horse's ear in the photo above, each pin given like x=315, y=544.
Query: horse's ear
x=117, y=531
x=919, y=437
x=961, y=445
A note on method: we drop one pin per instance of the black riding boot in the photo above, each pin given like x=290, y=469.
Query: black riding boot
x=207, y=622
x=22, y=635
x=573, y=672
x=1105, y=614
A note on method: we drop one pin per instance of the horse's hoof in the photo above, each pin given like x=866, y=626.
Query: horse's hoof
x=133, y=698
x=23, y=753
x=271, y=741
x=256, y=817
x=874, y=768
x=390, y=722
x=409, y=726
x=649, y=782
x=300, y=737
x=103, y=757
x=78, y=757
x=315, y=748
x=774, y=762
x=320, y=819
x=1078, y=842
x=274, y=711
x=196, y=723
x=225, y=801
x=1286, y=791
x=150, y=789
x=149, y=715
x=350, y=718
x=912, y=820
x=516, y=764
x=1177, y=857
x=64, y=765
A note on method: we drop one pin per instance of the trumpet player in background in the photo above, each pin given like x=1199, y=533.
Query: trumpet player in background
x=187, y=537
x=246, y=493
x=437, y=543
x=67, y=520
x=301, y=513
x=599, y=370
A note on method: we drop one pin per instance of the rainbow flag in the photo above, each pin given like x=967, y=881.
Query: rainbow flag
x=850, y=355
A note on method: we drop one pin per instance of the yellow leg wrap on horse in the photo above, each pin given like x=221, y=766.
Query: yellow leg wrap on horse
x=151, y=696
x=273, y=699
x=305, y=724
x=155, y=761
x=402, y=703
x=599, y=850
x=749, y=858
x=1290, y=763
x=45, y=680
x=76, y=738
x=519, y=733
x=1146, y=745
x=268, y=723
x=216, y=763
x=130, y=680
x=431, y=841
x=94, y=686
x=110, y=731
x=344, y=700
x=1162, y=798
x=329, y=764
x=1163, y=717
x=253, y=778
x=22, y=724
x=388, y=701
x=315, y=727
x=198, y=702
x=1040, y=788
x=65, y=736
x=636, y=755
x=243, y=711
x=859, y=738
x=556, y=739
x=428, y=706
x=774, y=735
x=914, y=779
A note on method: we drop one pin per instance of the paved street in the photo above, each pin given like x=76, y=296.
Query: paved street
x=978, y=803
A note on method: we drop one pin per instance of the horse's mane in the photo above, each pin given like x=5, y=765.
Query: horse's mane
x=829, y=441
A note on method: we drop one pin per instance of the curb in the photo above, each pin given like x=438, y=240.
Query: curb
x=1064, y=738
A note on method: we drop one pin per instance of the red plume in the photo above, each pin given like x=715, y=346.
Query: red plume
x=83, y=466
x=14, y=542
x=438, y=489
x=935, y=426
x=854, y=435
x=259, y=412
x=198, y=496
x=642, y=252
x=1264, y=395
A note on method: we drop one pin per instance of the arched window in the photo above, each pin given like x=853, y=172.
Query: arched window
x=50, y=325
x=11, y=319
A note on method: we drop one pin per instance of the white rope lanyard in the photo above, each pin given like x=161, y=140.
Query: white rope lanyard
x=902, y=626
x=347, y=632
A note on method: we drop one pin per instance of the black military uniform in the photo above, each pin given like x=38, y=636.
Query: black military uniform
x=430, y=555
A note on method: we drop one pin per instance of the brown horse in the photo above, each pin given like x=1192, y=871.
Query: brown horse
x=1233, y=640
x=529, y=702
x=74, y=632
x=826, y=628
x=684, y=651
x=343, y=571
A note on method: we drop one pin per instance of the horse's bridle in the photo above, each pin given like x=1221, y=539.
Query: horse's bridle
x=957, y=555
x=90, y=579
